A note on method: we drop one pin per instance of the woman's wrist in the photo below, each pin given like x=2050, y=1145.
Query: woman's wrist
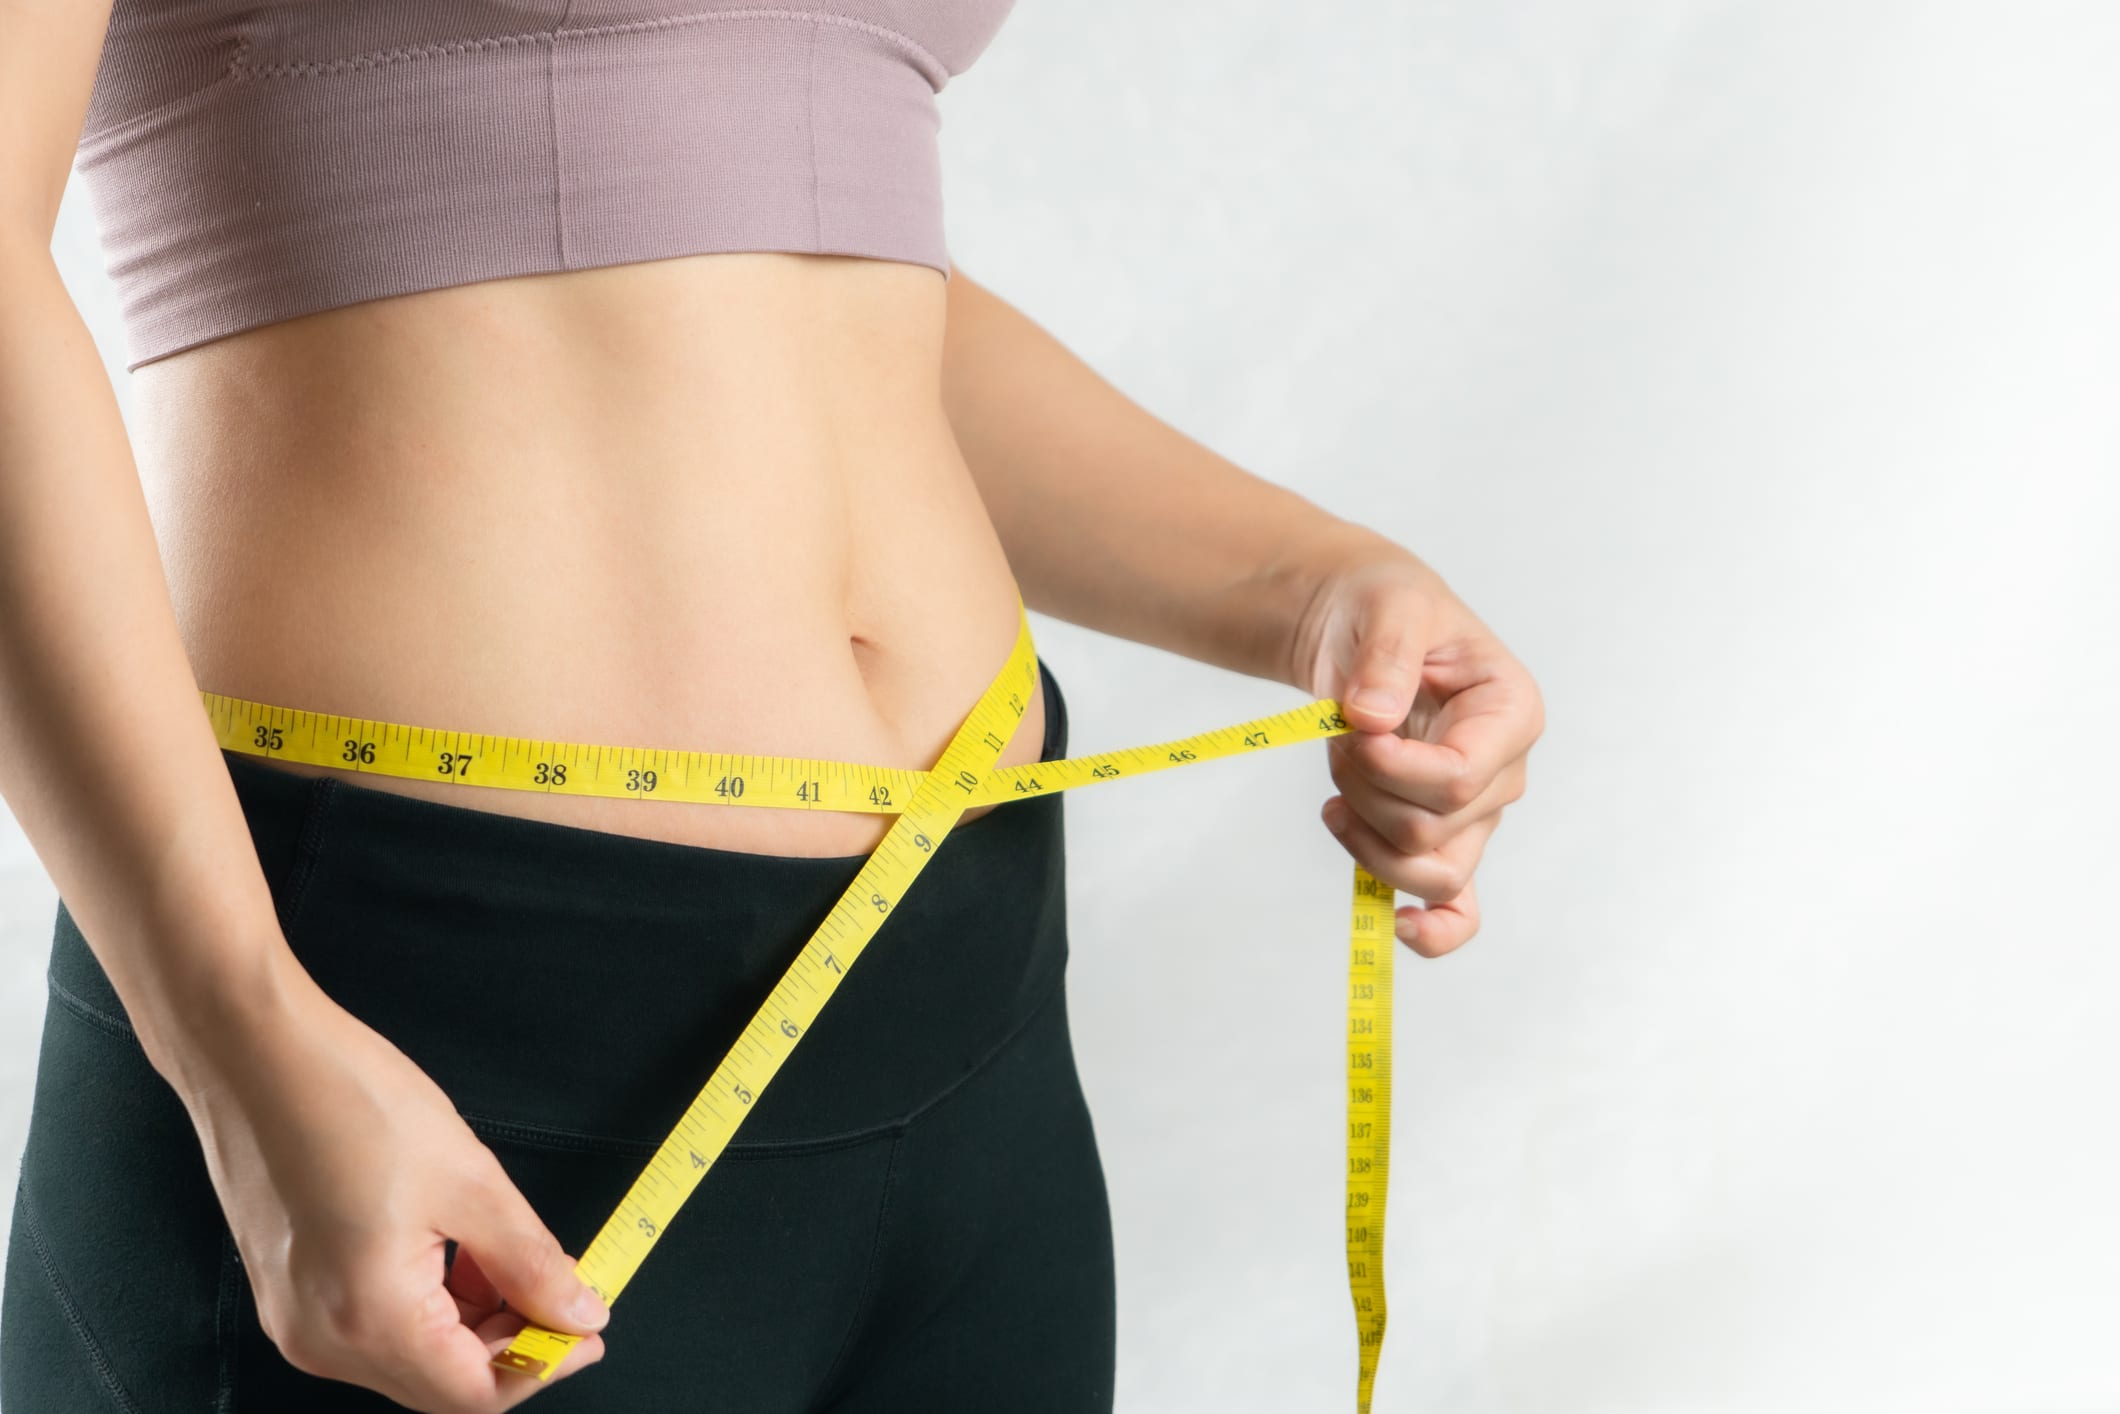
x=205, y=1022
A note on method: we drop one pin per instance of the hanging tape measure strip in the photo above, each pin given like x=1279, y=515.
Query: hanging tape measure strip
x=928, y=804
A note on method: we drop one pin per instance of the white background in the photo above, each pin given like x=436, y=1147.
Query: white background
x=1752, y=369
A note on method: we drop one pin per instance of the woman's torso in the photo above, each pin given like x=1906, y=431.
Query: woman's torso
x=707, y=503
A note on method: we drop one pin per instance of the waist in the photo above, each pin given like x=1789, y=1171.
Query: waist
x=705, y=504
x=575, y=987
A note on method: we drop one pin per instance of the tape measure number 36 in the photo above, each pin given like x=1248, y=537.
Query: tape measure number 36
x=964, y=777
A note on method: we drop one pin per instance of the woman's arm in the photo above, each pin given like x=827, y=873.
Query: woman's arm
x=1115, y=520
x=110, y=766
x=106, y=758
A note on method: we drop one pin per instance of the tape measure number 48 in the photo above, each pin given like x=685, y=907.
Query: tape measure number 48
x=933, y=800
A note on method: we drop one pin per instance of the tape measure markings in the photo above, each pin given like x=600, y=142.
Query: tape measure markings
x=786, y=782
x=928, y=805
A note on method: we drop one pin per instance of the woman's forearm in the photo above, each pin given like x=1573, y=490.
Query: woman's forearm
x=1115, y=520
x=107, y=759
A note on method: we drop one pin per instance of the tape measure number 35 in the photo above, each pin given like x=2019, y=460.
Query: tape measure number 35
x=933, y=800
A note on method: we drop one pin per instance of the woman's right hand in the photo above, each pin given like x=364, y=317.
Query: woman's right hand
x=342, y=1168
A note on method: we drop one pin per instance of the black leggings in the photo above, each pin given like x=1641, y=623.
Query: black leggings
x=913, y=1217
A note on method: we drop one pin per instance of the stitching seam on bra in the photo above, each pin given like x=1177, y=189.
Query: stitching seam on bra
x=559, y=166
x=377, y=58
x=231, y=73
x=809, y=108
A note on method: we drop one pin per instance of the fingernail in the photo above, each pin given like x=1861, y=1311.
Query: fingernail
x=1371, y=699
x=590, y=1310
x=1335, y=814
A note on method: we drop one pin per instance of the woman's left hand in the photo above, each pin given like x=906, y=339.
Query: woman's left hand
x=1443, y=719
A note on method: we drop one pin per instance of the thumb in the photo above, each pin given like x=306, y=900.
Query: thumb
x=525, y=1263
x=1388, y=656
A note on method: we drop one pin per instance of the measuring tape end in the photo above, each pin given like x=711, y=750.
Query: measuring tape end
x=516, y=1360
x=536, y=1351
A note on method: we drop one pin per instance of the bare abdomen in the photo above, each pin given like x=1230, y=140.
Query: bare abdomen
x=707, y=504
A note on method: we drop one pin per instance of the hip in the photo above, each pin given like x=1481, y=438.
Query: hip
x=570, y=989
x=557, y=978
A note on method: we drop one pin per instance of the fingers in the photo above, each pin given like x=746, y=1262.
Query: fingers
x=448, y=1357
x=476, y=1296
x=520, y=1260
x=392, y=1325
x=1441, y=876
x=1375, y=796
x=1442, y=927
x=508, y=1270
x=1479, y=735
x=1391, y=645
x=454, y=1360
x=510, y=1389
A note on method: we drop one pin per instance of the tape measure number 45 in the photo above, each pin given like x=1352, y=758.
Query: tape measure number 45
x=933, y=800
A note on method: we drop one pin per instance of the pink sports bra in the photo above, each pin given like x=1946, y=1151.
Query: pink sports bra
x=249, y=162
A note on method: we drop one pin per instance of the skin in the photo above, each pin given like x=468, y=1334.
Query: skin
x=676, y=503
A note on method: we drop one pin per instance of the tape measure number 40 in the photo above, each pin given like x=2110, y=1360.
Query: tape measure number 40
x=933, y=800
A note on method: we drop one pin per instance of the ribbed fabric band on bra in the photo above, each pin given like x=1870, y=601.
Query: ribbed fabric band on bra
x=252, y=162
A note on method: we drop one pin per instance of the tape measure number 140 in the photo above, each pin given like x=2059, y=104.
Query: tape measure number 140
x=964, y=777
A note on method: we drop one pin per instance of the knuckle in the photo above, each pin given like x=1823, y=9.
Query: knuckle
x=308, y=1320
x=361, y=1321
x=1440, y=880
x=1445, y=882
x=299, y=1346
x=1461, y=788
x=1409, y=833
x=1340, y=766
x=351, y=1309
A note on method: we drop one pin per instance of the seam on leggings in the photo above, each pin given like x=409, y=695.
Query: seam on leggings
x=88, y=1011
x=224, y=1325
x=860, y=1319
x=1045, y=999
x=74, y=1318
x=308, y=845
x=576, y=1141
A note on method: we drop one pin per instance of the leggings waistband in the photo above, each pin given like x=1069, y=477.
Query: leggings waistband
x=581, y=985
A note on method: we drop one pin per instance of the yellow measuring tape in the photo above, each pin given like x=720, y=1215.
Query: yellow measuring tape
x=928, y=805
